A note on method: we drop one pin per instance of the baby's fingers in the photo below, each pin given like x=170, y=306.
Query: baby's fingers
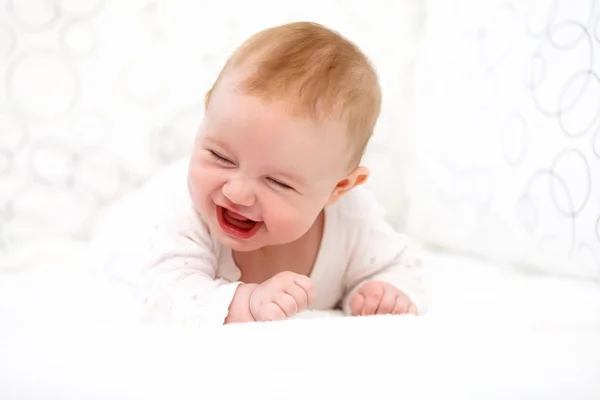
x=306, y=284
x=272, y=311
x=404, y=306
x=287, y=303
x=373, y=297
x=299, y=296
x=387, y=303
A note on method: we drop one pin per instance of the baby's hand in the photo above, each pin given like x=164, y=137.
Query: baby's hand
x=380, y=298
x=281, y=296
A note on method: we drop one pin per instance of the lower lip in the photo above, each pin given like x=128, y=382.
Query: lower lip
x=234, y=231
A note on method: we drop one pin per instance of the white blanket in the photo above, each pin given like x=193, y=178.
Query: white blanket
x=491, y=333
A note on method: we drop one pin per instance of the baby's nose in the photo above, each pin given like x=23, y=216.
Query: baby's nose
x=239, y=192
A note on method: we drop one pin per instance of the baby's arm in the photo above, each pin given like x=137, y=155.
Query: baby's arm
x=183, y=281
x=382, y=265
x=154, y=241
x=178, y=282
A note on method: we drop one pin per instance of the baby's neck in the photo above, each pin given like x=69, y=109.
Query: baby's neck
x=298, y=256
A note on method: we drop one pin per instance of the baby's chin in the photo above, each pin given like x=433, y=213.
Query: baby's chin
x=250, y=245
x=240, y=245
x=241, y=248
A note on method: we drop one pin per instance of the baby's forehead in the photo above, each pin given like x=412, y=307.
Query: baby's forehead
x=268, y=129
x=231, y=94
x=231, y=105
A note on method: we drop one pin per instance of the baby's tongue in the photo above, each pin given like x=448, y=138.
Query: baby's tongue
x=238, y=221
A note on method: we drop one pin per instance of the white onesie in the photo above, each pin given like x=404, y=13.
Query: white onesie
x=156, y=241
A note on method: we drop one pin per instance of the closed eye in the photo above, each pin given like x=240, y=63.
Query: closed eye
x=220, y=158
x=280, y=184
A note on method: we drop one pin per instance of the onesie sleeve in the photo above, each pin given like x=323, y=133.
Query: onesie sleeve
x=155, y=241
x=378, y=252
x=178, y=282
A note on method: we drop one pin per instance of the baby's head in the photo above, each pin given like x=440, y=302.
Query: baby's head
x=286, y=125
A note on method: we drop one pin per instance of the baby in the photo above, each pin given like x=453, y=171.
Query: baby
x=267, y=218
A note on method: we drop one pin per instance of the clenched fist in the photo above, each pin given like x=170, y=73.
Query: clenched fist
x=281, y=296
x=380, y=298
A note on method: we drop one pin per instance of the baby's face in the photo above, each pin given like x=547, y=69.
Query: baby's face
x=259, y=177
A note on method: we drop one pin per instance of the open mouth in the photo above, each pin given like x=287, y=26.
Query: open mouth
x=236, y=225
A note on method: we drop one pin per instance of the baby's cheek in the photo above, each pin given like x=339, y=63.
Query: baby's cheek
x=287, y=223
x=207, y=180
x=196, y=190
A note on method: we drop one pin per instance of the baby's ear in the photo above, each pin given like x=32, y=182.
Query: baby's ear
x=357, y=177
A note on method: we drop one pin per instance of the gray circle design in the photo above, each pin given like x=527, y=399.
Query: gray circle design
x=591, y=252
x=590, y=76
x=588, y=17
x=589, y=67
x=10, y=79
x=539, y=174
x=526, y=213
x=73, y=30
x=37, y=26
x=574, y=211
x=551, y=35
x=597, y=28
x=596, y=143
x=91, y=12
x=495, y=55
x=54, y=149
x=8, y=40
x=534, y=81
x=550, y=17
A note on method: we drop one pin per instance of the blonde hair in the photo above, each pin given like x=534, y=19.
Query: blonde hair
x=316, y=71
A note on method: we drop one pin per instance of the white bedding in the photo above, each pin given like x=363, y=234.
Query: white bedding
x=491, y=334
